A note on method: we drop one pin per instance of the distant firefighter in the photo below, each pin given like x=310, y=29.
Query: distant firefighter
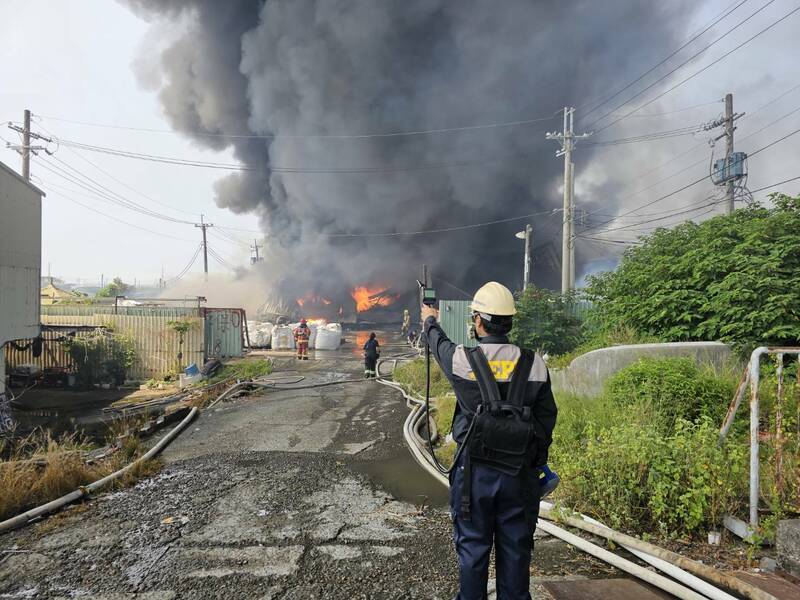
x=301, y=336
x=372, y=352
x=406, y=322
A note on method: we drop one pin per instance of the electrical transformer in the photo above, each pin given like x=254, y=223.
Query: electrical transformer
x=731, y=168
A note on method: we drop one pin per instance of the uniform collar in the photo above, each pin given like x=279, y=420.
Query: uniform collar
x=494, y=339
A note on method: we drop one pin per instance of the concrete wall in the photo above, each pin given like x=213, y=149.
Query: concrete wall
x=20, y=256
x=787, y=542
x=587, y=374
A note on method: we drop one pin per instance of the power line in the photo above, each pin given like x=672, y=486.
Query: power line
x=284, y=169
x=91, y=208
x=125, y=185
x=676, y=111
x=713, y=22
x=318, y=135
x=766, y=187
x=220, y=259
x=187, y=267
x=646, y=137
x=693, y=183
x=84, y=181
x=696, y=73
x=441, y=230
x=748, y=136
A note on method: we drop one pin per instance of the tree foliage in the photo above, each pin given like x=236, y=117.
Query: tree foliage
x=117, y=287
x=732, y=278
x=546, y=321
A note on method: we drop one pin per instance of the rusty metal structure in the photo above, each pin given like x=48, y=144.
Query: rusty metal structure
x=752, y=376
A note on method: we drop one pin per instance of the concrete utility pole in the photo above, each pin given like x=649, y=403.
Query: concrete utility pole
x=526, y=235
x=26, y=146
x=254, y=248
x=204, y=226
x=26, y=149
x=729, y=128
x=567, y=139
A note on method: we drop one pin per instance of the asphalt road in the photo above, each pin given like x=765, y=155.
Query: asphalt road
x=289, y=494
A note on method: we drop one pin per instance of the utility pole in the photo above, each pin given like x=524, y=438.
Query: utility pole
x=254, y=248
x=526, y=235
x=26, y=146
x=25, y=149
x=725, y=171
x=729, y=128
x=204, y=226
x=567, y=139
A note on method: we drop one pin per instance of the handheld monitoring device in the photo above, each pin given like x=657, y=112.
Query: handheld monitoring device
x=427, y=295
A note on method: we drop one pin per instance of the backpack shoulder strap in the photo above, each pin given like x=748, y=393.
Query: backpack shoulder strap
x=490, y=393
x=519, y=378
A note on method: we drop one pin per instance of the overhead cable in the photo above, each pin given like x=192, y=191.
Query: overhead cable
x=714, y=21
x=696, y=73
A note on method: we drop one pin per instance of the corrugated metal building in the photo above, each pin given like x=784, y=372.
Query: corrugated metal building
x=20, y=260
x=454, y=319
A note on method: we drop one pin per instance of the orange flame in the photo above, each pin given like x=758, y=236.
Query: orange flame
x=367, y=298
x=312, y=299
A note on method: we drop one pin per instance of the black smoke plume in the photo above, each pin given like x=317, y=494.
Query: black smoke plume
x=299, y=68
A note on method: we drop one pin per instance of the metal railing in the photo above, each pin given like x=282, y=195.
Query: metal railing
x=753, y=377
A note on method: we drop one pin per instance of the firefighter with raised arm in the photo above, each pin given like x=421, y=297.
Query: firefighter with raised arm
x=302, y=335
x=503, y=424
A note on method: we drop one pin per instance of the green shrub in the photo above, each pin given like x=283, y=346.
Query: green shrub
x=445, y=405
x=411, y=375
x=635, y=477
x=732, y=278
x=101, y=357
x=546, y=321
x=675, y=388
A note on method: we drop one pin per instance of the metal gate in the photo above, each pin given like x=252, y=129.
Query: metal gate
x=224, y=332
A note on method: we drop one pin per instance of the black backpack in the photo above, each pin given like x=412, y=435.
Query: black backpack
x=502, y=433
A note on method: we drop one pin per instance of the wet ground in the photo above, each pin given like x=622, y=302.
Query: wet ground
x=86, y=413
x=291, y=494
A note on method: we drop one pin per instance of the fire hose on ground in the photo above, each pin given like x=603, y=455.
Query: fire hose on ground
x=85, y=491
x=674, y=565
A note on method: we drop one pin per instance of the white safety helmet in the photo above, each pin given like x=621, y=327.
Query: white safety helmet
x=494, y=299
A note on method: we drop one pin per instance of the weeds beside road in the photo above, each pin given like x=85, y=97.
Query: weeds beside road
x=645, y=457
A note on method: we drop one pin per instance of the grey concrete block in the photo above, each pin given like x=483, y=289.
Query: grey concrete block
x=587, y=374
x=787, y=543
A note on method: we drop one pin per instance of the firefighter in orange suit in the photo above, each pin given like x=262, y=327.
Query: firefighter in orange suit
x=301, y=336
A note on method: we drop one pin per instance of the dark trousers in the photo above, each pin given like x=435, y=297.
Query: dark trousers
x=497, y=516
x=370, y=362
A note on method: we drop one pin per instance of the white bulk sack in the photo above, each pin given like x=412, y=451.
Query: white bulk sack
x=263, y=335
x=282, y=337
x=329, y=337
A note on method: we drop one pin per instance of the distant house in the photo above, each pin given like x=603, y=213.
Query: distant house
x=52, y=294
x=20, y=263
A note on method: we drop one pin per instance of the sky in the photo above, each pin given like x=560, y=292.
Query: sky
x=92, y=61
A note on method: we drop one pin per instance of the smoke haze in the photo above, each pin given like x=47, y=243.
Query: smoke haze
x=295, y=68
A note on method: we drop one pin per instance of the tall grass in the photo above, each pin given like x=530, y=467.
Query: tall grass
x=39, y=467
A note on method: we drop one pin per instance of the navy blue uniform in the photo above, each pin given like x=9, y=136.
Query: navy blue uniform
x=503, y=512
x=371, y=354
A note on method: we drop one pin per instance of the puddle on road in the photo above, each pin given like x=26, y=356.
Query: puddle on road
x=403, y=478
